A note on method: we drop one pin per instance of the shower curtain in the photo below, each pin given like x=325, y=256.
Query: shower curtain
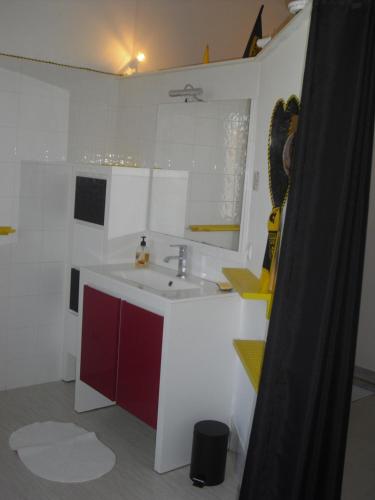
x=297, y=445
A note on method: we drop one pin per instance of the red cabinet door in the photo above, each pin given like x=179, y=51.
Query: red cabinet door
x=99, y=348
x=140, y=344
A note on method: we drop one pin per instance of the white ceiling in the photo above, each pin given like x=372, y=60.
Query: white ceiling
x=105, y=34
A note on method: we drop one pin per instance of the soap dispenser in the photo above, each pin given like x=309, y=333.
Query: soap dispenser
x=142, y=255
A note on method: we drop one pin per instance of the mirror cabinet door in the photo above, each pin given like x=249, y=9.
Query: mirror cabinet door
x=200, y=163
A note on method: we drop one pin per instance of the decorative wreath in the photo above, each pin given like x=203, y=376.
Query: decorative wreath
x=283, y=127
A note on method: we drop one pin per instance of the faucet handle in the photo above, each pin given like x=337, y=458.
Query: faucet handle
x=182, y=248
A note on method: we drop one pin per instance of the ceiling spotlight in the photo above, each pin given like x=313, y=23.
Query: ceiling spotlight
x=132, y=66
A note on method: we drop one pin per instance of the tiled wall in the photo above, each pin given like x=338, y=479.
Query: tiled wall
x=48, y=115
x=142, y=96
x=32, y=324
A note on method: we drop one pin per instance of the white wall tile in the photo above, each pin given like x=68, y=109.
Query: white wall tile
x=162, y=155
x=30, y=181
x=7, y=214
x=30, y=213
x=204, y=158
x=23, y=312
x=182, y=129
x=48, y=357
x=208, y=187
x=54, y=246
x=55, y=202
x=21, y=343
x=9, y=178
x=33, y=112
x=31, y=144
x=4, y=280
x=9, y=75
x=146, y=154
x=5, y=250
x=56, y=146
x=8, y=108
x=58, y=117
x=8, y=143
x=181, y=156
x=147, y=123
x=42, y=122
x=206, y=109
x=50, y=309
x=28, y=247
x=24, y=279
x=20, y=372
x=239, y=188
x=203, y=212
x=231, y=160
x=4, y=312
x=206, y=131
x=52, y=277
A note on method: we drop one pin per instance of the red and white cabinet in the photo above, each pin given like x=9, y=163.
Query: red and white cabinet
x=168, y=361
x=121, y=353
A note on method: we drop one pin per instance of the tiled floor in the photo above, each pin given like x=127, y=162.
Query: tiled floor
x=133, y=477
x=360, y=392
x=359, y=472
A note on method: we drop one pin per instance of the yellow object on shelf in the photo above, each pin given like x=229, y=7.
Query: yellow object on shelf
x=248, y=285
x=214, y=227
x=206, y=55
x=251, y=353
x=224, y=286
x=5, y=230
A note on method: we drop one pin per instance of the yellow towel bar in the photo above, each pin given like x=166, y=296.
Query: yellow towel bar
x=5, y=230
x=214, y=227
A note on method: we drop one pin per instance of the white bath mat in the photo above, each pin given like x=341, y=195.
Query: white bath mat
x=62, y=452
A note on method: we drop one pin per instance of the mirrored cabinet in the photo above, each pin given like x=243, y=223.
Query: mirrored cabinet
x=199, y=171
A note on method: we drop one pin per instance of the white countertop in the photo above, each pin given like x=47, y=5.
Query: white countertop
x=207, y=289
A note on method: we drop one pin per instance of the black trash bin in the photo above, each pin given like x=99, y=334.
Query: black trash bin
x=209, y=453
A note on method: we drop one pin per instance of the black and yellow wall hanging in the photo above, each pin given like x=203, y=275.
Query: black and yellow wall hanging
x=282, y=132
x=252, y=49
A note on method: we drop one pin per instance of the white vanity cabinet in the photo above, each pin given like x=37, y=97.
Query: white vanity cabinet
x=197, y=359
x=108, y=206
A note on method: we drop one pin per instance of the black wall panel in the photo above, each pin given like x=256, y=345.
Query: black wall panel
x=89, y=204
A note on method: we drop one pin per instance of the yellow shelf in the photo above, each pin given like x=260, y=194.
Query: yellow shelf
x=248, y=285
x=214, y=228
x=5, y=230
x=251, y=354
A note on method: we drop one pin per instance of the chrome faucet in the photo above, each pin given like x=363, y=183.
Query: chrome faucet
x=182, y=260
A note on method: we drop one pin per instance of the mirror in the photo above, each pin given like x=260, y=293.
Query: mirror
x=199, y=171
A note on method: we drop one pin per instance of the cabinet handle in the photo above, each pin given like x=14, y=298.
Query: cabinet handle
x=6, y=230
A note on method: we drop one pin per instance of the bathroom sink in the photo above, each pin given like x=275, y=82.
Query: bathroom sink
x=154, y=279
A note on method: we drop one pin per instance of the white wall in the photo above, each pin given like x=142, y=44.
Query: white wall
x=105, y=34
x=47, y=115
x=281, y=75
x=138, y=110
x=282, y=68
x=365, y=356
x=72, y=115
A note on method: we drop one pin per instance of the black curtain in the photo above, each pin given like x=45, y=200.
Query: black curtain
x=297, y=445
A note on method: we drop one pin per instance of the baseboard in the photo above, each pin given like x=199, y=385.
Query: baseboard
x=69, y=367
x=364, y=378
x=239, y=452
